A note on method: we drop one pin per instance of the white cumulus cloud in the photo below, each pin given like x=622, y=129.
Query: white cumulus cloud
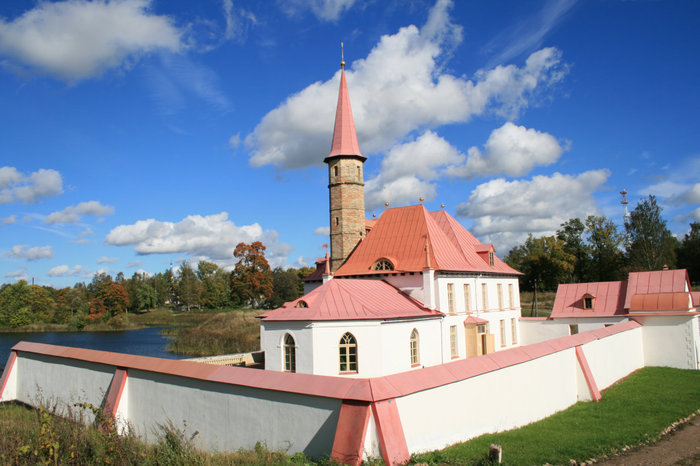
x=23, y=251
x=212, y=237
x=504, y=212
x=15, y=186
x=17, y=275
x=400, y=87
x=79, y=39
x=511, y=150
x=322, y=231
x=66, y=271
x=71, y=214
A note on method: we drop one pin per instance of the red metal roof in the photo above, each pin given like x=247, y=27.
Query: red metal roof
x=696, y=298
x=608, y=300
x=344, y=136
x=657, y=281
x=400, y=236
x=350, y=299
x=682, y=301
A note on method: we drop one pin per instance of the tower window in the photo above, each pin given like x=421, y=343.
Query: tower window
x=335, y=170
x=337, y=221
x=359, y=173
x=348, y=353
x=383, y=264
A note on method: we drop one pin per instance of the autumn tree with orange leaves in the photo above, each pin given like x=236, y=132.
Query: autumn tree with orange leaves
x=251, y=279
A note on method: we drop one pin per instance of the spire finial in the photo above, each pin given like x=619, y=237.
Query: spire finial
x=342, y=56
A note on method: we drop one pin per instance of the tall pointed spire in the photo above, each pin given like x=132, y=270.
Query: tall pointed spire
x=344, y=135
x=346, y=187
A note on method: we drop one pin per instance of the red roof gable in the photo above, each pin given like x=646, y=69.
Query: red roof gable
x=657, y=281
x=608, y=300
x=399, y=235
x=348, y=299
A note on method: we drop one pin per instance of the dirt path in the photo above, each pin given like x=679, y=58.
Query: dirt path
x=680, y=447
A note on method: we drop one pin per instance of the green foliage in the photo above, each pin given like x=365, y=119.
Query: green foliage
x=544, y=261
x=634, y=411
x=688, y=252
x=607, y=260
x=650, y=243
x=285, y=285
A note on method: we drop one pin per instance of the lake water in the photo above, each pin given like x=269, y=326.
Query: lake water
x=143, y=342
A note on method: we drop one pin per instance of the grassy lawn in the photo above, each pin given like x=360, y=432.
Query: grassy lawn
x=631, y=412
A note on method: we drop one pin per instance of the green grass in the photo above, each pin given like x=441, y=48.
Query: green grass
x=632, y=412
x=222, y=333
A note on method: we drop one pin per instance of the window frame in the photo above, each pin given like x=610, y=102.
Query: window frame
x=467, y=299
x=450, y=298
x=289, y=353
x=454, y=348
x=485, y=296
x=414, y=344
x=347, y=351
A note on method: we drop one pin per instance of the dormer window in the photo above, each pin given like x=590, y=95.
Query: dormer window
x=301, y=303
x=491, y=259
x=588, y=301
x=383, y=264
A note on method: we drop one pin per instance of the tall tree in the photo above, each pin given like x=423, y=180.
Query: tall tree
x=650, y=244
x=251, y=279
x=688, y=252
x=571, y=234
x=285, y=284
x=607, y=260
x=215, y=284
x=189, y=290
x=543, y=261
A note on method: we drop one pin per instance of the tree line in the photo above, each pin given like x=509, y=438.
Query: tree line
x=252, y=283
x=595, y=249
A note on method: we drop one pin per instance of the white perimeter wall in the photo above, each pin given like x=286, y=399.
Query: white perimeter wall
x=536, y=331
x=671, y=341
x=514, y=396
x=229, y=417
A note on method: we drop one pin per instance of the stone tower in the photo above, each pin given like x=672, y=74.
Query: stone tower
x=345, y=181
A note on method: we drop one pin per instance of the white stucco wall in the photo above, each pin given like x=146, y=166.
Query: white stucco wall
x=411, y=284
x=272, y=338
x=536, y=331
x=55, y=382
x=671, y=341
x=229, y=417
x=491, y=402
x=614, y=357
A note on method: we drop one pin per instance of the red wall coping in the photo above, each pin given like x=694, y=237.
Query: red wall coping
x=373, y=389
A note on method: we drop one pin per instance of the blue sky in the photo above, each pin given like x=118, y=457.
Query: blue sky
x=137, y=134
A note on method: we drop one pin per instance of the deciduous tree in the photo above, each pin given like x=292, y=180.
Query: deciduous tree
x=688, y=252
x=251, y=279
x=605, y=241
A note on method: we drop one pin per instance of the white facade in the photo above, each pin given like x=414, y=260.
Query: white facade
x=384, y=346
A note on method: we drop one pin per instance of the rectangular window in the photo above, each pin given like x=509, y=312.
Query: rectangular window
x=451, y=298
x=573, y=329
x=499, y=289
x=511, y=300
x=485, y=296
x=453, y=341
x=467, y=299
x=503, y=332
x=514, y=330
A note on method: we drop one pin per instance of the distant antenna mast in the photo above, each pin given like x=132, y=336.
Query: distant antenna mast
x=342, y=56
x=624, y=202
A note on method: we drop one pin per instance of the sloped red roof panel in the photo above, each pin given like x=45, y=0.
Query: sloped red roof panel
x=608, y=300
x=400, y=235
x=351, y=299
x=681, y=301
x=657, y=281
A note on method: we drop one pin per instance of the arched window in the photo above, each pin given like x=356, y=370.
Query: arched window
x=290, y=354
x=415, y=348
x=348, y=354
x=383, y=264
x=301, y=303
